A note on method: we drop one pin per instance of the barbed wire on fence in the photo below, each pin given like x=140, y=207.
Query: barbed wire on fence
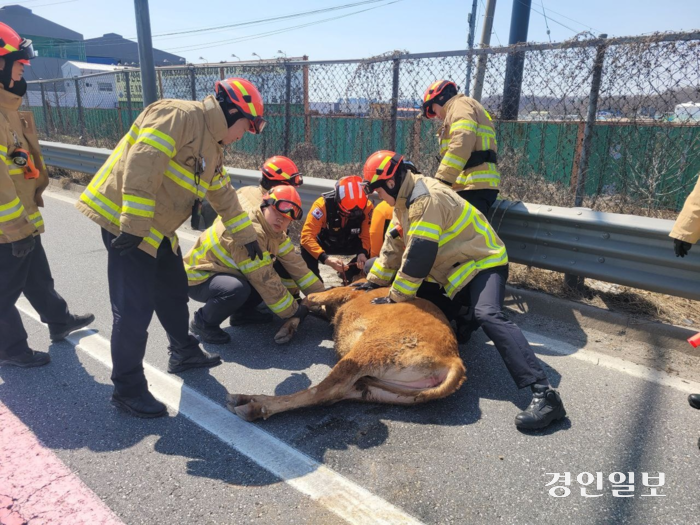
x=638, y=151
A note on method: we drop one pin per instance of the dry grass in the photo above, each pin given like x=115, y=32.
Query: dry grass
x=639, y=304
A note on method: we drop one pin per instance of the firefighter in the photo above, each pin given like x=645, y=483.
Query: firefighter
x=448, y=241
x=24, y=267
x=381, y=218
x=685, y=233
x=154, y=180
x=223, y=276
x=467, y=144
x=276, y=171
x=338, y=224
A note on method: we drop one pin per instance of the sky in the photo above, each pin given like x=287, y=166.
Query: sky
x=370, y=28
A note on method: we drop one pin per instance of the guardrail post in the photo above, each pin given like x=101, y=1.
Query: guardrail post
x=45, y=110
x=81, y=116
x=193, y=83
x=590, y=122
x=127, y=81
x=394, y=103
x=287, y=107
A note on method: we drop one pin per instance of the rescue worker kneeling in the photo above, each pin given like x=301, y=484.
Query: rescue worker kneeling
x=338, y=224
x=222, y=275
x=448, y=241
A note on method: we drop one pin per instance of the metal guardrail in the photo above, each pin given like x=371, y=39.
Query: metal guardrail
x=624, y=249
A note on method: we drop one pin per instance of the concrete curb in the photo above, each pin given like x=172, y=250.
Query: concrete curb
x=613, y=323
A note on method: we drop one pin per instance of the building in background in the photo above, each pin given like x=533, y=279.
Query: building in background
x=112, y=48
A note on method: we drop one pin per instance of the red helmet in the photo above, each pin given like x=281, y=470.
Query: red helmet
x=286, y=200
x=380, y=166
x=14, y=47
x=350, y=193
x=432, y=93
x=246, y=98
x=281, y=170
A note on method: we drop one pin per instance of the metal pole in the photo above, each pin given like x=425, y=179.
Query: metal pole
x=193, y=84
x=45, y=109
x=307, y=116
x=127, y=76
x=394, y=103
x=287, y=107
x=148, y=70
x=470, y=44
x=485, y=42
x=590, y=123
x=520, y=19
x=81, y=117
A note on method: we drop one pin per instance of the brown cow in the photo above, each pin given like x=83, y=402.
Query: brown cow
x=401, y=353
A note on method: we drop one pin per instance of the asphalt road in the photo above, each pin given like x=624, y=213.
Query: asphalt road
x=457, y=460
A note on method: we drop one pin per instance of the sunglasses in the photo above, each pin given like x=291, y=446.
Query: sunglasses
x=288, y=208
x=257, y=125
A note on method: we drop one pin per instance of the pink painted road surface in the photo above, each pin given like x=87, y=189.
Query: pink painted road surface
x=36, y=488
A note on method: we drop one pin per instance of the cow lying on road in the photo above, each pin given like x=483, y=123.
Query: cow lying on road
x=401, y=353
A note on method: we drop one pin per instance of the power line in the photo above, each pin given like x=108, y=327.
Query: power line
x=53, y=3
x=552, y=19
x=549, y=33
x=568, y=18
x=275, y=32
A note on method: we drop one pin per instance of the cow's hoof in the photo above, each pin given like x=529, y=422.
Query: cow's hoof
x=238, y=399
x=249, y=411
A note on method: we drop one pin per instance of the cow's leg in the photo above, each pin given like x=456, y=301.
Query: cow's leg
x=332, y=389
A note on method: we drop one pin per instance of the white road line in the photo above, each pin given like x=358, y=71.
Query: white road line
x=559, y=347
x=326, y=487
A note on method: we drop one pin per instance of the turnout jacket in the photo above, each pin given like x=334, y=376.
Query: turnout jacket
x=444, y=239
x=467, y=129
x=170, y=157
x=251, y=197
x=317, y=221
x=217, y=251
x=687, y=226
x=20, y=198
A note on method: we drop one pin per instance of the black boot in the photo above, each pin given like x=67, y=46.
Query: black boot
x=694, y=400
x=254, y=316
x=143, y=405
x=27, y=359
x=545, y=407
x=209, y=334
x=76, y=323
x=201, y=359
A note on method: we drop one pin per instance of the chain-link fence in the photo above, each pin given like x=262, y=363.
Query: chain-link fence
x=612, y=124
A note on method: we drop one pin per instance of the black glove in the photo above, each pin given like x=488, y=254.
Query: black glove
x=126, y=242
x=301, y=312
x=254, y=250
x=22, y=247
x=366, y=286
x=382, y=300
x=681, y=247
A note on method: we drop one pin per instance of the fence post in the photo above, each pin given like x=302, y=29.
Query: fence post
x=394, y=103
x=193, y=83
x=160, y=84
x=590, y=122
x=81, y=116
x=127, y=76
x=287, y=107
x=45, y=109
x=307, y=115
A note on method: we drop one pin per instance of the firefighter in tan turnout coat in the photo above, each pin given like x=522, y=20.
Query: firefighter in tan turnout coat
x=449, y=245
x=24, y=267
x=227, y=280
x=156, y=178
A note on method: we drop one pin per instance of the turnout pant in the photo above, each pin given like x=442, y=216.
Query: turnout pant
x=138, y=286
x=485, y=294
x=482, y=200
x=313, y=264
x=223, y=295
x=30, y=275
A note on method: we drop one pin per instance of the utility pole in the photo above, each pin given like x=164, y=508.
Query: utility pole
x=519, y=22
x=470, y=44
x=485, y=42
x=148, y=70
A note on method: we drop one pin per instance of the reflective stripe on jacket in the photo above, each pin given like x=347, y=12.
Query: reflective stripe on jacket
x=19, y=197
x=149, y=184
x=446, y=240
x=687, y=226
x=216, y=251
x=467, y=128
